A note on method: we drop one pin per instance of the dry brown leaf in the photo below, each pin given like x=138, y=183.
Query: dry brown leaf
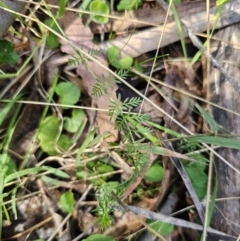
x=86, y=220
x=127, y=224
x=34, y=210
x=182, y=76
x=82, y=37
x=77, y=33
x=102, y=120
x=187, y=78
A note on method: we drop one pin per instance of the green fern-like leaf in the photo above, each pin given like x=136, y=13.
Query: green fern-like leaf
x=115, y=108
x=130, y=129
x=120, y=123
x=94, y=53
x=123, y=73
x=99, y=89
x=77, y=60
x=103, y=85
x=130, y=103
x=138, y=117
x=106, y=202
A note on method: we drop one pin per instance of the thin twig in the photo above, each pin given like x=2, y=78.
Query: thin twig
x=197, y=43
x=175, y=221
x=179, y=166
x=125, y=207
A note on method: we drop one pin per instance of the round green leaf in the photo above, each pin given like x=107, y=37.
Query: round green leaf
x=125, y=63
x=67, y=202
x=113, y=57
x=99, y=7
x=7, y=53
x=128, y=4
x=198, y=179
x=99, y=237
x=81, y=175
x=47, y=134
x=113, y=53
x=48, y=130
x=68, y=92
x=63, y=142
x=163, y=229
x=155, y=173
x=72, y=124
x=103, y=168
x=52, y=39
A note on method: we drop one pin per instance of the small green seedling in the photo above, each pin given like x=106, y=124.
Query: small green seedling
x=163, y=229
x=68, y=92
x=73, y=124
x=113, y=57
x=48, y=133
x=128, y=4
x=52, y=39
x=99, y=7
x=154, y=173
x=7, y=53
x=99, y=237
x=67, y=202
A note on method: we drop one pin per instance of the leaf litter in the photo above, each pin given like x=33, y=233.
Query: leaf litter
x=90, y=71
x=42, y=210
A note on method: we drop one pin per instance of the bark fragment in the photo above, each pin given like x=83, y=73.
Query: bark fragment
x=227, y=51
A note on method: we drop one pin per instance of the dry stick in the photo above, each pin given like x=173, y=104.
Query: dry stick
x=148, y=17
x=175, y=221
x=197, y=43
x=125, y=207
x=164, y=218
x=147, y=40
x=49, y=203
x=29, y=230
x=179, y=166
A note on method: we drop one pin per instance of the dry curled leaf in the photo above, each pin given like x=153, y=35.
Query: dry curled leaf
x=182, y=76
x=35, y=210
x=86, y=220
x=80, y=35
